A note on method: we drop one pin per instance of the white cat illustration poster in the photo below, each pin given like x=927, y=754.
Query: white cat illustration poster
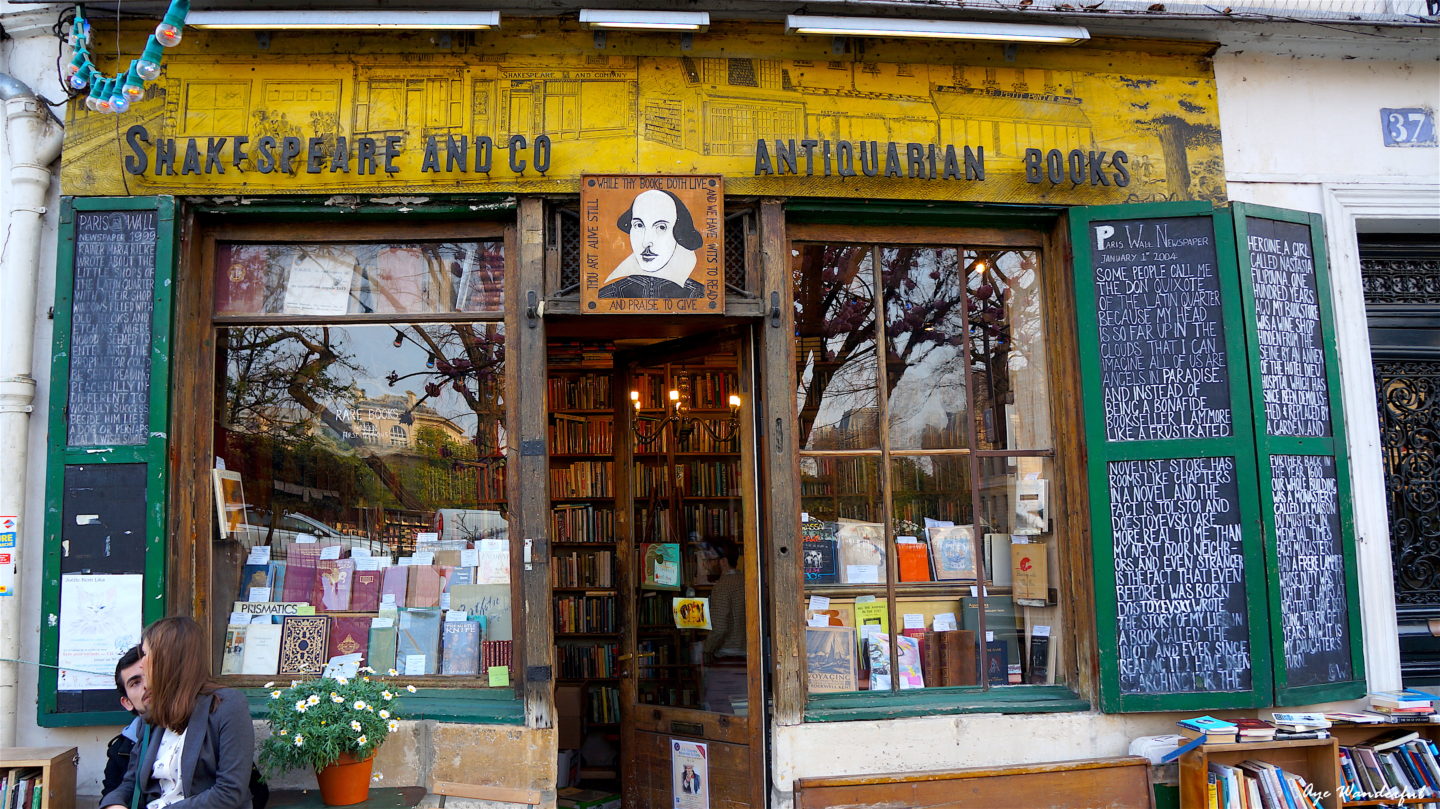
x=99, y=620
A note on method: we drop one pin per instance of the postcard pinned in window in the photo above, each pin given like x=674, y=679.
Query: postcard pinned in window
x=691, y=613
x=652, y=244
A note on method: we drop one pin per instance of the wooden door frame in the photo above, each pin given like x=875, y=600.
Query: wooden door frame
x=753, y=732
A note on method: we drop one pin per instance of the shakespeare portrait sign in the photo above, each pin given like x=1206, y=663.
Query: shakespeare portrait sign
x=652, y=244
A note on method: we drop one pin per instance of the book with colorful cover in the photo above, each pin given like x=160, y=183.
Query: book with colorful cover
x=461, y=648
x=334, y=578
x=877, y=655
x=914, y=561
x=907, y=649
x=830, y=664
x=365, y=590
x=1208, y=724
x=820, y=552
x=304, y=640
x=349, y=634
x=875, y=614
x=952, y=549
x=862, y=552
x=659, y=566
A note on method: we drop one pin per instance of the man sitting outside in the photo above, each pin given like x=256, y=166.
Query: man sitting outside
x=130, y=683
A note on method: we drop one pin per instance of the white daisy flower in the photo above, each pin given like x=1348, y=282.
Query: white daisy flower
x=359, y=705
x=393, y=672
x=387, y=695
x=392, y=726
x=336, y=698
x=384, y=714
x=299, y=740
x=301, y=706
x=274, y=695
x=362, y=741
x=354, y=725
x=410, y=688
x=342, y=680
x=313, y=699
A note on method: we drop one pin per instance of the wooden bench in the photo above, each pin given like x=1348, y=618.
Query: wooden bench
x=1103, y=783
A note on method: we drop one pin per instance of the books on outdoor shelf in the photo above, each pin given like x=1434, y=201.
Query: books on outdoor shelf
x=1402, y=702
x=1258, y=785
x=1254, y=730
x=1392, y=765
x=1215, y=731
x=1299, y=721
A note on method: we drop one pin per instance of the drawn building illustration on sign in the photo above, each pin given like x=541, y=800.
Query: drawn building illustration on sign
x=1062, y=128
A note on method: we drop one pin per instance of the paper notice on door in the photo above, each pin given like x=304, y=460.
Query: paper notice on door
x=689, y=775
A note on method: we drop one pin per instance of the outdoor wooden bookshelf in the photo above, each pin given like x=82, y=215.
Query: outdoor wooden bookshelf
x=57, y=771
x=1315, y=760
x=1351, y=735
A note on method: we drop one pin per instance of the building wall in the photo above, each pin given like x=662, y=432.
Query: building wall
x=28, y=53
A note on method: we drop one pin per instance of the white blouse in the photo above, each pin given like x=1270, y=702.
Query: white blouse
x=167, y=769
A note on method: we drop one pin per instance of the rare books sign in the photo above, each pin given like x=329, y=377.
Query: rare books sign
x=651, y=244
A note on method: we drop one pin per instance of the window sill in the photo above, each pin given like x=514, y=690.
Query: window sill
x=869, y=705
x=475, y=706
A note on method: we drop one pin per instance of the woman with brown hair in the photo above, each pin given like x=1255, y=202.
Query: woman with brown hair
x=197, y=747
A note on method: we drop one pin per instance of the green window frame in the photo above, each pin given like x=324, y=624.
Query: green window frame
x=61, y=455
x=1249, y=444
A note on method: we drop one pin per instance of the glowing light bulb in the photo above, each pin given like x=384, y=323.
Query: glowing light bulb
x=169, y=31
x=734, y=402
x=81, y=79
x=147, y=67
x=167, y=35
x=119, y=102
x=674, y=395
x=134, y=85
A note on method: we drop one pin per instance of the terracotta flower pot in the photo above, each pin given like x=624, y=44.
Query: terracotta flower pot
x=347, y=781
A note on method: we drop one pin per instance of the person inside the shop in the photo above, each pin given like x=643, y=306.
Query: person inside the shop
x=130, y=684
x=663, y=241
x=196, y=746
x=725, y=677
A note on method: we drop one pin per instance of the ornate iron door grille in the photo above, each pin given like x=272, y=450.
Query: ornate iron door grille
x=1402, y=294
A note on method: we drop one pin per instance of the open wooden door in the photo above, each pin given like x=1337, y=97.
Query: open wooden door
x=693, y=712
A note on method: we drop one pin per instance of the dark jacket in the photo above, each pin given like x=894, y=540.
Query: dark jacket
x=215, y=763
x=117, y=761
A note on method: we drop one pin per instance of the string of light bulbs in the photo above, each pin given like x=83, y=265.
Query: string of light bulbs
x=116, y=93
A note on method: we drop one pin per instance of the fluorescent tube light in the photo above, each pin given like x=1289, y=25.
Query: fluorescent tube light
x=645, y=20
x=337, y=20
x=933, y=29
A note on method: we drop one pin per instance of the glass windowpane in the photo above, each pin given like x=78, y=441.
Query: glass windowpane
x=925, y=365
x=359, y=278
x=361, y=471
x=835, y=365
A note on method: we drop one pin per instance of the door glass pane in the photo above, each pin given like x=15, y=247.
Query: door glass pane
x=689, y=541
x=361, y=471
x=835, y=365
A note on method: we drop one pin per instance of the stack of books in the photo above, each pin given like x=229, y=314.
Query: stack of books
x=1403, y=705
x=1209, y=730
x=1259, y=785
x=1395, y=765
x=1300, y=725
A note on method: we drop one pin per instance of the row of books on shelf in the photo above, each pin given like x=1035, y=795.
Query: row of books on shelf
x=337, y=585
x=582, y=479
x=582, y=522
x=21, y=789
x=412, y=641
x=587, y=660
x=586, y=613
x=1255, y=784
x=925, y=659
x=696, y=478
x=581, y=435
x=709, y=390
x=578, y=354
x=583, y=569
x=679, y=696
x=1283, y=727
x=604, y=705
x=1396, y=765
x=579, y=392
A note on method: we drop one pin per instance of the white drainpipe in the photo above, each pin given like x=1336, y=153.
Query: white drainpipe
x=33, y=138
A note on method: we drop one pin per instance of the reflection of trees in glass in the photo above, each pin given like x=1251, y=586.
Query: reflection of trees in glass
x=834, y=321
x=468, y=359
x=1005, y=326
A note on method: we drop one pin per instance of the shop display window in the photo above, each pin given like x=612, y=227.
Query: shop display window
x=360, y=469
x=928, y=551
